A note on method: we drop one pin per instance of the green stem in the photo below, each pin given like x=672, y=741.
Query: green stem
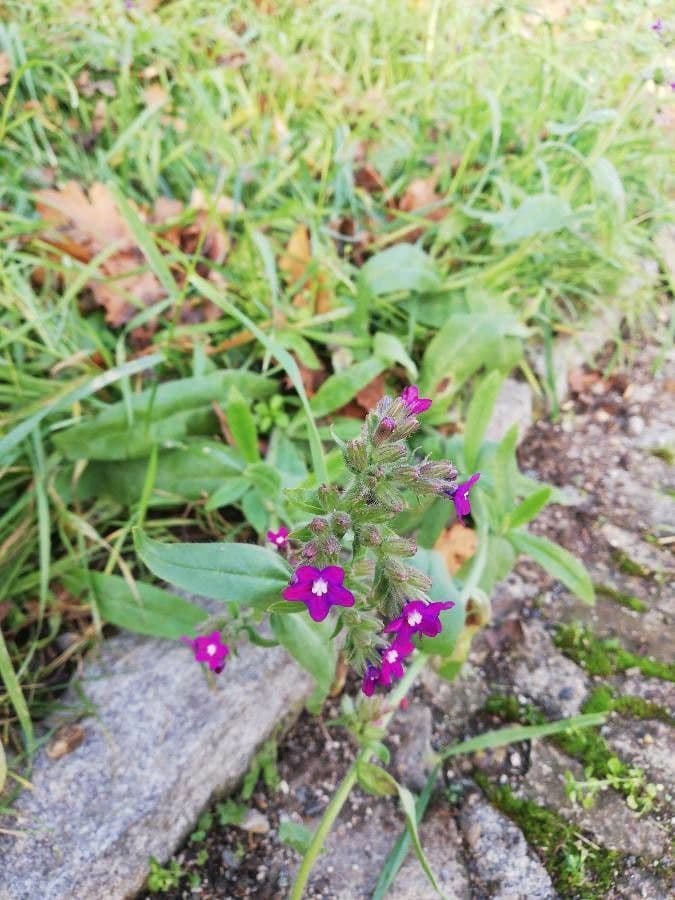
x=340, y=797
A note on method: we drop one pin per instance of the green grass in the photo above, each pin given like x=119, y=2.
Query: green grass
x=277, y=112
x=606, y=656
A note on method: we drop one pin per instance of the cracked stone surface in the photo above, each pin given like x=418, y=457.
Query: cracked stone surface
x=162, y=743
x=609, y=821
x=412, y=751
x=501, y=860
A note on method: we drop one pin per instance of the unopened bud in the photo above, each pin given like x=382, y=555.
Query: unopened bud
x=388, y=496
x=441, y=468
x=356, y=455
x=405, y=429
x=396, y=572
x=399, y=546
x=331, y=546
x=310, y=551
x=342, y=522
x=318, y=526
x=417, y=582
x=328, y=496
x=390, y=453
x=370, y=536
x=384, y=430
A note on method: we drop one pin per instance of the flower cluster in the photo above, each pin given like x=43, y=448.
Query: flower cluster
x=350, y=558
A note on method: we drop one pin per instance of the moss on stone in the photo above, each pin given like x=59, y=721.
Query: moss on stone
x=604, y=699
x=573, y=865
x=606, y=656
x=625, y=600
x=630, y=566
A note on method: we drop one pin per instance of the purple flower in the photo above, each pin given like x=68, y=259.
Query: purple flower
x=415, y=403
x=419, y=617
x=657, y=26
x=319, y=589
x=371, y=678
x=392, y=658
x=280, y=537
x=460, y=496
x=209, y=649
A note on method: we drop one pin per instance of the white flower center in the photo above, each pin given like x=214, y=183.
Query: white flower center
x=211, y=649
x=391, y=656
x=466, y=495
x=414, y=618
x=280, y=539
x=320, y=587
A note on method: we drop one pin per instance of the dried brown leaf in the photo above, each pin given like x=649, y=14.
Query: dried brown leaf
x=456, y=544
x=296, y=266
x=67, y=738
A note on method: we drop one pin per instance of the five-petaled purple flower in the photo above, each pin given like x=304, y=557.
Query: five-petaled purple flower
x=418, y=617
x=392, y=658
x=413, y=401
x=210, y=649
x=371, y=679
x=319, y=589
x=280, y=537
x=460, y=496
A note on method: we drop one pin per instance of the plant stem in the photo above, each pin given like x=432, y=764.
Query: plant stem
x=340, y=796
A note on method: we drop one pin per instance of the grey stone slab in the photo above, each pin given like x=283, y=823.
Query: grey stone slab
x=609, y=821
x=501, y=859
x=163, y=741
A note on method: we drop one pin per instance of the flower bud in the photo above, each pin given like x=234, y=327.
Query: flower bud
x=388, y=496
x=328, y=496
x=384, y=430
x=399, y=546
x=310, y=551
x=370, y=536
x=356, y=455
x=331, y=546
x=390, y=453
x=417, y=582
x=441, y=468
x=318, y=526
x=342, y=522
x=396, y=572
x=405, y=429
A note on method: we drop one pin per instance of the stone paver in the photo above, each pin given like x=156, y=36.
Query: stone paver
x=162, y=743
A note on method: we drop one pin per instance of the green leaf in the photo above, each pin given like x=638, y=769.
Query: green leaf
x=229, y=492
x=294, y=835
x=309, y=644
x=608, y=182
x=241, y=573
x=557, y=561
x=466, y=343
x=189, y=473
x=403, y=267
x=265, y=479
x=390, y=349
x=12, y=686
x=408, y=806
x=499, y=737
x=84, y=388
x=343, y=386
x=3, y=767
x=530, y=507
x=538, y=214
x=478, y=416
x=242, y=425
x=253, y=507
x=161, y=415
x=152, y=611
x=498, y=563
x=375, y=780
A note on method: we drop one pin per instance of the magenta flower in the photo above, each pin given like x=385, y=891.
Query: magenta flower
x=415, y=403
x=209, y=649
x=371, y=678
x=392, y=658
x=460, y=496
x=419, y=617
x=657, y=26
x=280, y=537
x=319, y=589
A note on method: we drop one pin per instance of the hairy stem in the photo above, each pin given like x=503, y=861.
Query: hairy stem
x=340, y=796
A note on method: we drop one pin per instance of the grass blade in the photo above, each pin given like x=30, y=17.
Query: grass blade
x=15, y=693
